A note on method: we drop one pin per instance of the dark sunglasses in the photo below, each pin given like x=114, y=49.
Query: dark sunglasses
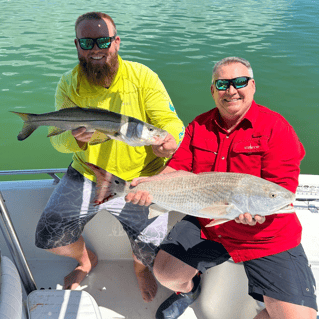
x=102, y=43
x=237, y=83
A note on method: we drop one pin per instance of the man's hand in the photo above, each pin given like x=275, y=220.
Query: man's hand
x=144, y=198
x=167, y=148
x=247, y=219
x=103, y=182
x=82, y=136
x=141, y=198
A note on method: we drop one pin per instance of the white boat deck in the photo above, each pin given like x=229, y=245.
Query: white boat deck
x=112, y=283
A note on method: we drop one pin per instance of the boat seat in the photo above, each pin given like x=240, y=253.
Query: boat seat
x=62, y=304
x=11, y=303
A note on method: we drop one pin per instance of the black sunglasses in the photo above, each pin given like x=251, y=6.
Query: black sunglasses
x=102, y=43
x=237, y=83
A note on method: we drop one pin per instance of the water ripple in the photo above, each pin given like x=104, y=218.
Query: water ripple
x=180, y=40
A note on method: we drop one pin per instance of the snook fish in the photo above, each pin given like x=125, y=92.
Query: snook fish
x=214, y=195
x=106, y=124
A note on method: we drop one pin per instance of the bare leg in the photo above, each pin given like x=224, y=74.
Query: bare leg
x=262, y=315
x=146, y=280
x=86, y=258
x=284, y=310
x=173, y=273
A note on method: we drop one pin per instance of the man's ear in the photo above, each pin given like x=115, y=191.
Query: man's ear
x=254, y=84
x=212, y=88
x=117, y=42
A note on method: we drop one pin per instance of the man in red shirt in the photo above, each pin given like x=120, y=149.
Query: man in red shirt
x=244, y=137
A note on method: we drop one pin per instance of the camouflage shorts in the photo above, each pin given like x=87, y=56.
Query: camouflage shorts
x=70, y=208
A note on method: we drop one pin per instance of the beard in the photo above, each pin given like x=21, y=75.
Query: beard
x=99, y=75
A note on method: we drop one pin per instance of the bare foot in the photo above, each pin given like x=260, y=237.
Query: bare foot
x=75, y=277
x=147, y=284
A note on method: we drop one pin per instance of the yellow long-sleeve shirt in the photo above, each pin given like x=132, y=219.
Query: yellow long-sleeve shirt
x=135, y=91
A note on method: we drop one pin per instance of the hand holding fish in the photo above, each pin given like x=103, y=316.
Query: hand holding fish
x=248, y=219
x=82, y=136
x=106, y=124
x=166, y=148
x=142, y=198
x=219, y=196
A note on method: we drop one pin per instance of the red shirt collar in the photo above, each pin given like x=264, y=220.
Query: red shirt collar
x=249, y=119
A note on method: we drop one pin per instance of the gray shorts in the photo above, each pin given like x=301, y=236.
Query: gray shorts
x=286, y=276
x=70, y=207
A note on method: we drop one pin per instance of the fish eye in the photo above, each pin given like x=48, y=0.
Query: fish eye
x=151, y=129
x=273, y=195
x=116, y=182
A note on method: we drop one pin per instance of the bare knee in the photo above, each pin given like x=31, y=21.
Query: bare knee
x=74, y=250
x=278, y=309
x=172, y=272
x=161, y=268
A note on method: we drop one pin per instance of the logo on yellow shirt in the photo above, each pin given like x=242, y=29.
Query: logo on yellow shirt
x=171, y=107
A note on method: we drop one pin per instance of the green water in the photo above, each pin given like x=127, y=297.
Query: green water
x=181, y=41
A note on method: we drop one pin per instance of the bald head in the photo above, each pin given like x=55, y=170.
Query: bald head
x=95, y=16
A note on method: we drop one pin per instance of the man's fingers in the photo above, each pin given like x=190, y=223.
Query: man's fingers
x=248, y=219
x=81, y=135
x=260, y=219
x=78, y=131
x=135, y=198
x=245, y=219
x=139, y=198
x=166, y=148
x=138, y=180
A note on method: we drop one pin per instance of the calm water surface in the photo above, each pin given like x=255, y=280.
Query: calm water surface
x=181, y=41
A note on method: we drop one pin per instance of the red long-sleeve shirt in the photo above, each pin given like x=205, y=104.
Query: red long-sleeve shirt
x=264, y=144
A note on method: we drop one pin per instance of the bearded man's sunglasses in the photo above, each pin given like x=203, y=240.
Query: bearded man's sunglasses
x=102, y=43
x=237, y=83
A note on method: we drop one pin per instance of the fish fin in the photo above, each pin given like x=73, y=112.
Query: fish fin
x=216, y=210
x=24, y=116
x=26, y=131
x=155, y=210
x=27, y=128
x=218, y=222
x=98, y=137
x=55, y=131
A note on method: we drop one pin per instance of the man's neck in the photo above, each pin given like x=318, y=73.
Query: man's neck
x=229, y=124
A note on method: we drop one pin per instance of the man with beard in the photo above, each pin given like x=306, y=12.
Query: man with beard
x=103, y=80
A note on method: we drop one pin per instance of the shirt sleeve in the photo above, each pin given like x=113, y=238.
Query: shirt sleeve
x=183, y=157
x=159, y=107
x=281, y=163
x=64, y=142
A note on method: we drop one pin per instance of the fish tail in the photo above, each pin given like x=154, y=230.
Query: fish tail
x=28, y=128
